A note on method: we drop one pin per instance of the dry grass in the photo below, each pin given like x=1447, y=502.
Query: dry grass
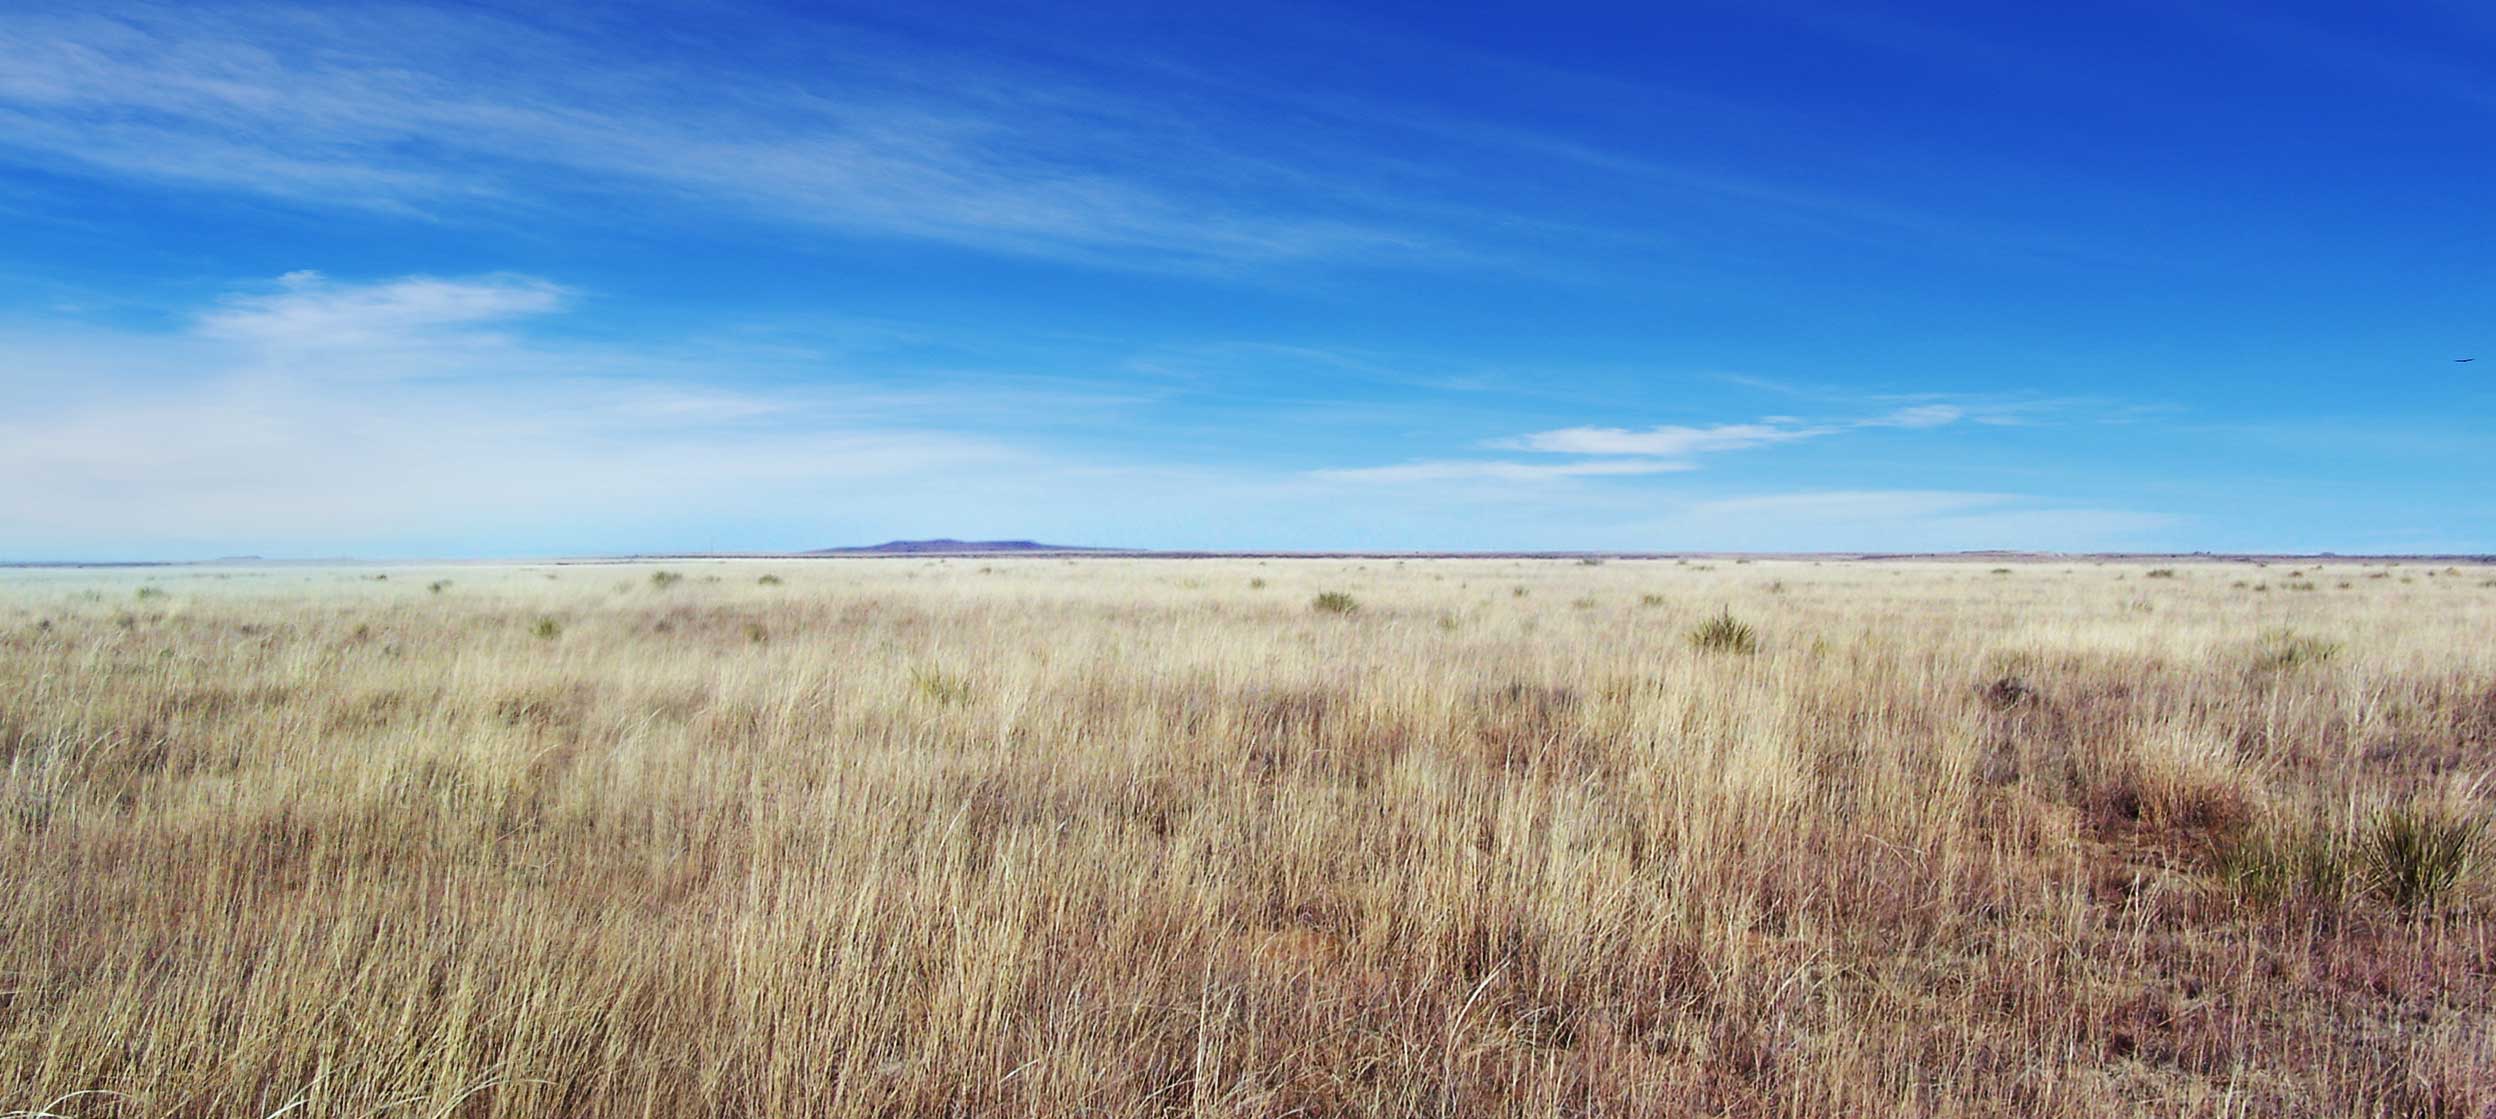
x=1120, y=838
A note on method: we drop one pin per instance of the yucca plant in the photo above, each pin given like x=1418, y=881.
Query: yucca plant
x=2419, y=855
x=1334, y=602
x=1725, y=634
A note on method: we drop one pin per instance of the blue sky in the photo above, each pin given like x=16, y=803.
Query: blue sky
x=470, y=280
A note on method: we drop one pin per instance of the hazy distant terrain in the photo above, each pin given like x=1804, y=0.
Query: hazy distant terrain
x=1051, y=836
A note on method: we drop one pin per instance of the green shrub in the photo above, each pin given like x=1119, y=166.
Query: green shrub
x=661, y=580
x=2160, y=573
x=2418, y=855
x=768, y=581
x=438, y=586
x=151, y=592
x=1723, y=634
x=1334, y=602
x=1256, y=584
x=546, y=629
x=2414, y=856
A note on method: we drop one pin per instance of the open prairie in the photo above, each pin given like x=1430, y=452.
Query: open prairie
x=1049, y=837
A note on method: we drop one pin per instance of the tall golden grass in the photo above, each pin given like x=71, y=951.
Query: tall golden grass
x=1047, y=838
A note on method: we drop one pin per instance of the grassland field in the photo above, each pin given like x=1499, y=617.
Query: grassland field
x=1121, y=837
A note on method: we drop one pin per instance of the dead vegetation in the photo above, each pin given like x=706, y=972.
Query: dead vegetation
x=898, y=838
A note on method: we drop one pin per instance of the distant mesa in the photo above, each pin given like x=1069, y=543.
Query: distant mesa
x=950, y=546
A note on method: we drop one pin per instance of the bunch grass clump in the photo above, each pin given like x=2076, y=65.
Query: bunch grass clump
x=1725, y=634
x=2282, y=650
x=2420, y=854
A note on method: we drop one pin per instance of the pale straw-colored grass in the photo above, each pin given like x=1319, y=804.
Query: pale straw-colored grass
x=1032, y=837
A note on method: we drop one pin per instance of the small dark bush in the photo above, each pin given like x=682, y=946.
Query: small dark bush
x=1724, y=634
x=2418, y=855
x=1334, y=602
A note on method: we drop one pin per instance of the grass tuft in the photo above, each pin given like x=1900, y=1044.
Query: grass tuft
x=2420, y=854
x=939, y=687
x=1724, y=634
x=2282, y=650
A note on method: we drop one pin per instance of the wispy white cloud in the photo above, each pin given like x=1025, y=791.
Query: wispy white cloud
x=1921, y=415
x=351, y=415
x=261, y=427
x=1659, y=449
x=305, y=311
x=451, y=112
x=1445, y=470
x=1667, y=440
